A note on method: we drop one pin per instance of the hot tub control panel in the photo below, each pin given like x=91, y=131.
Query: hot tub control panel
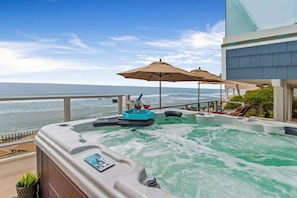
x=98, y=162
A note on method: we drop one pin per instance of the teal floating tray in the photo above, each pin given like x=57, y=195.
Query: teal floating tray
x=138, y=114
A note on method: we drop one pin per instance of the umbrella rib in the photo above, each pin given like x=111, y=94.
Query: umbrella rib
x=150, y=76
x=172, y=79
x=131, y=75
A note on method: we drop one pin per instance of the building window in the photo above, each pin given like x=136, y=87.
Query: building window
x=243, y=16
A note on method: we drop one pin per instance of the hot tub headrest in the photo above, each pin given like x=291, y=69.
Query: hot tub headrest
x=290, y=130
x=173, y=113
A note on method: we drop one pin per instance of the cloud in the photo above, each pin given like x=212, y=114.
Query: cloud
x=192, y=49
x=76, y=41
x=43, y=55
x=124, y=38
x=18, y=58
x=55, y=44
x=106, y=43
x=74, y=56
x=213, y=37
x=13, y=62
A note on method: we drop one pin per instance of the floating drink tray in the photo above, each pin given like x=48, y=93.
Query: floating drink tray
x=138, y=114
x=122, y=122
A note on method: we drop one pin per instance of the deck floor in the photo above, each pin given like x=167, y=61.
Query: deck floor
x=12, y=168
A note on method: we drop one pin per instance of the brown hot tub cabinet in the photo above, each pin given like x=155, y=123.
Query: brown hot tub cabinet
x=53, y=182
x=70, y=166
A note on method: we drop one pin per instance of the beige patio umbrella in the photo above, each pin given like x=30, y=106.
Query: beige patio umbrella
x=160, y=71
x=208, y=78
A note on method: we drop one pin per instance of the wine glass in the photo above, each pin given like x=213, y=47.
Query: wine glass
x=146, y=104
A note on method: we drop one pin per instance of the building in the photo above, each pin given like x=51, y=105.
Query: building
x=260, y=47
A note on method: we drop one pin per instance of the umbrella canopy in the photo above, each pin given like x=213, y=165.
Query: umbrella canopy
x=160, y=71
x=230, y=84
x=208, y=78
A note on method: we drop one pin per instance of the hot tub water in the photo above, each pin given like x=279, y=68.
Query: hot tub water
x=192, y=159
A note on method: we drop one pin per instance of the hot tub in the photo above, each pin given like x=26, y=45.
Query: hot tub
x=200, y=154
x=70, y=166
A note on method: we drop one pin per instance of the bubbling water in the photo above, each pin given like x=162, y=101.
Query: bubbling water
x=206, y=160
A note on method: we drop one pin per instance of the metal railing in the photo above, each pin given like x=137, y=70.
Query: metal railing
x=208, y=105
x=67, y=100
x=67, y=107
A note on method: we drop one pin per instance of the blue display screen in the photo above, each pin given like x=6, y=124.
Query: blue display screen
x=98, y=162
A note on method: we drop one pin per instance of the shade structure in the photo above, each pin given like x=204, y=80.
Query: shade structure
x=208, y=78
x=230, y=84
x=160, y=71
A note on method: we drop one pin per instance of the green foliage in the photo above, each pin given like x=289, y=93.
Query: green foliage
x=295, y=102
x=261, y=101
x=28, y=179
x=294, y=107
x=234, y=105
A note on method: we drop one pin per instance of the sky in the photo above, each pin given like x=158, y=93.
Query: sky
x=90, y=41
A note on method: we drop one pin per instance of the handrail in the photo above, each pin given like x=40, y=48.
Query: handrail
x=67, y=99
x=60, y=97
x=16, y=143
x=208, y=104
x=67, y=102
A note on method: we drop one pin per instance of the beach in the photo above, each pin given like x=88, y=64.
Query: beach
x=18, y=149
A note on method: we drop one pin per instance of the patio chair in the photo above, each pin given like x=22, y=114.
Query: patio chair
x=241, y=110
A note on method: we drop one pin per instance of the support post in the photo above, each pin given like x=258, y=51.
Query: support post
x=66, y=109
x=120, y=105
x=128, y=102
x=216, y=106
x=280, y=100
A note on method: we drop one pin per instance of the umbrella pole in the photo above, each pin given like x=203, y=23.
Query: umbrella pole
x=160, y=94
x=198, y=102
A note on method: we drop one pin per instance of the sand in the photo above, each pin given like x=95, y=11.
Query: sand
x=9, y=151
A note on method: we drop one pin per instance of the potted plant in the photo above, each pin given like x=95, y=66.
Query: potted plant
x=27, y=185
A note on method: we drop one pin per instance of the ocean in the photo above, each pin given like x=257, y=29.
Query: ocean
x=21, y=116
